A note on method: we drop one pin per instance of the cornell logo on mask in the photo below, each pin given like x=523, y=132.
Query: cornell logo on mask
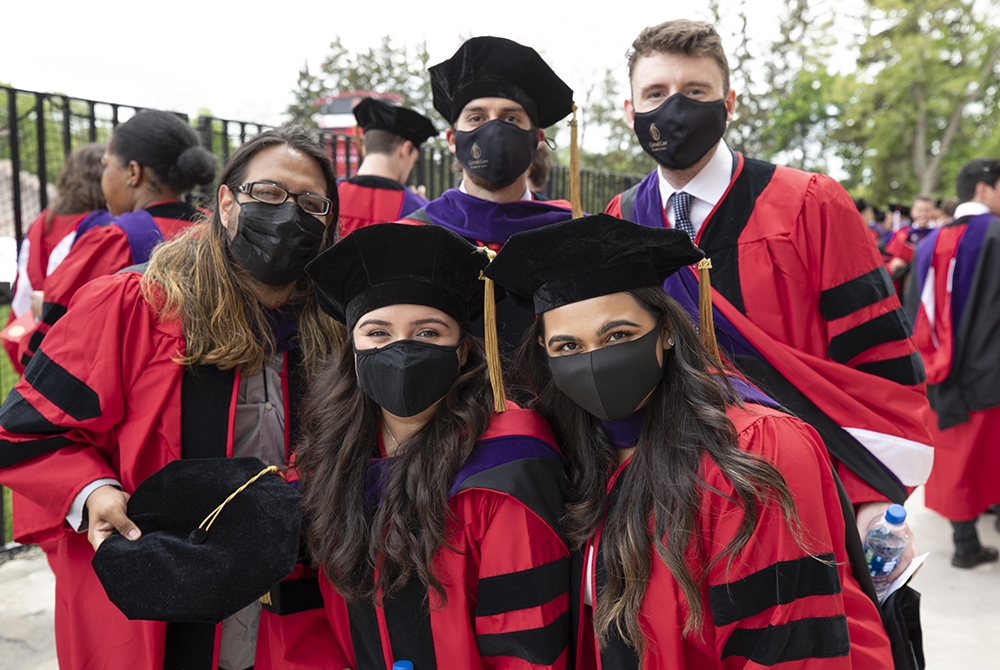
x=497, y=152
x=681, y=130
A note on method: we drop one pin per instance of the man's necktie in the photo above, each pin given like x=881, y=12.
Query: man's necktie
x=682, y=213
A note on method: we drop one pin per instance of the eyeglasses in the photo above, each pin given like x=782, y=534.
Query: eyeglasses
x=271, y=194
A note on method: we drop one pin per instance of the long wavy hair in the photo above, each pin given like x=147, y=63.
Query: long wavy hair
x=662, y=492
x=195, y=277
x=401, y=532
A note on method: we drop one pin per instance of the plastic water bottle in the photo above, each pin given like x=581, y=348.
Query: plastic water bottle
x=885, y=541
x=402, y=665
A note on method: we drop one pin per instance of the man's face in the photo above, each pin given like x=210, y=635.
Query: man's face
x=989, y=196
x=921, y=213
x=660, y=75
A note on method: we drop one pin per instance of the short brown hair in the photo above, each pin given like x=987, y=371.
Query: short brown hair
x=381, y=141
x=694, y=39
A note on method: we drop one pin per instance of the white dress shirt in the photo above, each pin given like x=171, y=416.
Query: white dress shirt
x=971, y=209
x=706, y=188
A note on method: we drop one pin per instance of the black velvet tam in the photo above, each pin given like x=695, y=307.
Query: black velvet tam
x=488, y=67
x=576, y=260
x=176, y=572
x=373, y=114
x=395, y=264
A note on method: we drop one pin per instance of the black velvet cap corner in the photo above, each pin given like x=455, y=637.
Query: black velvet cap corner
x=373, y=114
x=584, y=258
x=176, y=572
x=486, y=67
x=396, y=263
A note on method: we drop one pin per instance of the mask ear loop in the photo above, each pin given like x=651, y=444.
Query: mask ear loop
x=491, y=339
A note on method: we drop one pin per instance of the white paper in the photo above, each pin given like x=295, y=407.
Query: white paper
x=900, y=581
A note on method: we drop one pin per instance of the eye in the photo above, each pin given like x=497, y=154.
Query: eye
x=568, y=347
x=428, y=333
x=474, y=118
x=378, y=332
x=618, y=336
x=511, y=118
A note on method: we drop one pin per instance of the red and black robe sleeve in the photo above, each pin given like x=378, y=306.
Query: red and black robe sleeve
x=103, y=249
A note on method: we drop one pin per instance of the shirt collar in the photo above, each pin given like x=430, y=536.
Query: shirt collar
x=711, y=182
x=971, y=209
x=527, y=191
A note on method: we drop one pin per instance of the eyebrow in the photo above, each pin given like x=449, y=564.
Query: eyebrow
x=430, y=319
x=482, y=110
x=611, y=325
x=373, y=322
x=561, y=338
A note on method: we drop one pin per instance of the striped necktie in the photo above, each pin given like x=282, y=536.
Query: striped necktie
x=682, y=212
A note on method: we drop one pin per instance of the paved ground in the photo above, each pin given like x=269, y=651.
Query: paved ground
x=960, y=608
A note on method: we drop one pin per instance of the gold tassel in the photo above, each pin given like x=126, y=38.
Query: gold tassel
x=707, y=320
x=574, y=168
x=210, y=519
x=266, y=599
x=492, y=341
x=358, y=144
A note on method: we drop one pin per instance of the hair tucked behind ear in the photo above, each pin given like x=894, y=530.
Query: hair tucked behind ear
x=348, y=534
x=685, y=419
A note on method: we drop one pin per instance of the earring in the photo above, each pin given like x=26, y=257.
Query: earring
x=670, y=341
x=129, y=182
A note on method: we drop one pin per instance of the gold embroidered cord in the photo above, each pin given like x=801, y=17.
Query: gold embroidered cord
x=210, y=519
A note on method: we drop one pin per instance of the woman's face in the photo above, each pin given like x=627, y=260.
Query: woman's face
x=599, y=322
x=385, y=325
x=114, y=183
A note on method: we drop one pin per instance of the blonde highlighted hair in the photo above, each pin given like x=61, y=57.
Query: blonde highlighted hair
x=194, y=278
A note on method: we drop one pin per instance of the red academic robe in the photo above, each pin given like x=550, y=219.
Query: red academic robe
x=505, y=571
x=103, y=398
x=102, y=250
x=804, y=308
x=366, y=199
x=952, y=301
x=776, y=602
x=43, y=248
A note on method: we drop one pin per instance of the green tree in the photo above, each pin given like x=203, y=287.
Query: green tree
x=385, y=68
x=926, y=97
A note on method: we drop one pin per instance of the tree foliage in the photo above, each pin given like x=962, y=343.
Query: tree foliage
x=926, y=97
x=385, y=68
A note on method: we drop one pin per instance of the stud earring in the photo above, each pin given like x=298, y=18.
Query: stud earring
x=670, y=341
x=129, y=182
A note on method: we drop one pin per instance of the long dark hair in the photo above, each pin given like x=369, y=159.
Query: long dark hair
x=685, y=419
x=401, y=533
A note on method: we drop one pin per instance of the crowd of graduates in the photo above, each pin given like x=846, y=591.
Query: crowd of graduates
x=330, y=424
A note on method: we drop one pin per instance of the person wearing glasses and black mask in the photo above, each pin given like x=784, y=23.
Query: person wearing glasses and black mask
x=203, y=353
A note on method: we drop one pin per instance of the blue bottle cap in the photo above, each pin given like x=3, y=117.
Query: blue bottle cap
x=896, y=514
x=402, y=665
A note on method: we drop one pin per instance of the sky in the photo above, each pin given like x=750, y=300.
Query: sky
x=241, y=59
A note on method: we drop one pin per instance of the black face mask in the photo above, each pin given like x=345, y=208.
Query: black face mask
x=681, y=130
x=497, y=151
x=610, y=383
x=275, y=242
x=406, y=377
